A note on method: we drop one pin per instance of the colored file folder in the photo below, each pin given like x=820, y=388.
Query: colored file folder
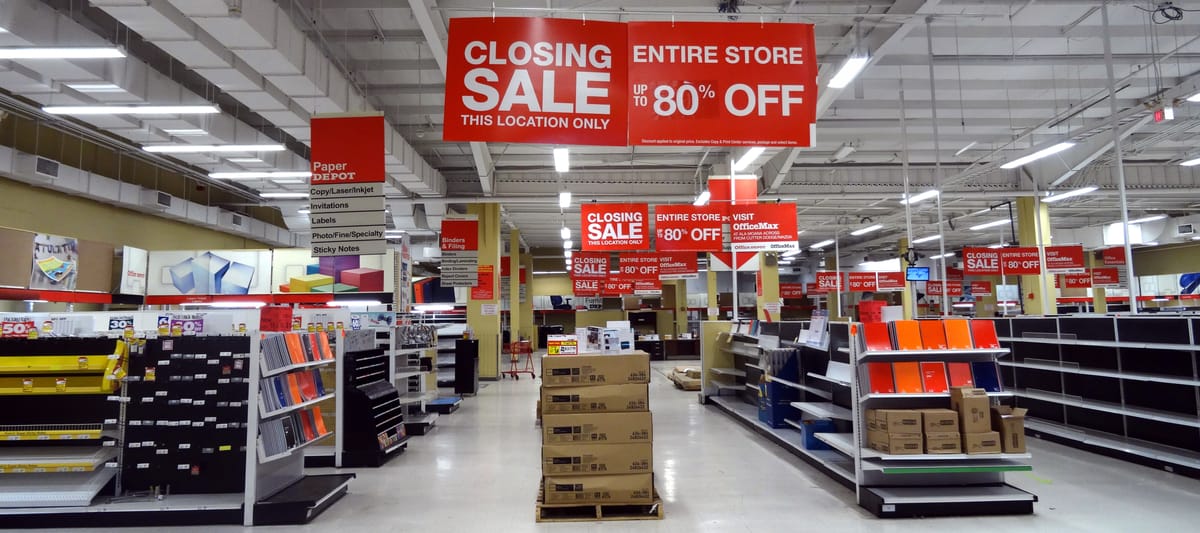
x=878, y=337
x=880, y=376
x=960, y=374
x=933, y=334
x=908, y=335
x=933, y=376
x=908, y=377
x=958, y=334
x=984, y=333
x=986, y=376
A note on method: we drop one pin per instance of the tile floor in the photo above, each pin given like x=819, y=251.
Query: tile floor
x=479, y=470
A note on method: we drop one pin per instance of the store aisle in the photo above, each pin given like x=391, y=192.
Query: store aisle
x=478, y=472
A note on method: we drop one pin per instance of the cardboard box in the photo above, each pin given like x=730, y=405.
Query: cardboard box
x=596, y=399
x=976, y=443
x=615, y=488
x=898, y=421
x=1010, y=423
x=974, y=409
x=597, y=459
x=689, y=371
x=569, y=371
x=943, y=442
x=612, y=428
x=684, y=382
x=939, y=421
x=895, y=444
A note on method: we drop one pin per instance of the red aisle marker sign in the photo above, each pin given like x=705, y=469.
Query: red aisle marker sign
x=1106, y=277
x=537, y=80
x=615, y=227
x=862, y=282
x=890, y=281
x=830, y=281
x=981, y=288
x=459, y=235
x=1077, y=281
x=678, y=265
x=1113, y=256
x=1065, y=259
x=687, y=228
x=763, y=228
x=791, y=290
x=722, y=84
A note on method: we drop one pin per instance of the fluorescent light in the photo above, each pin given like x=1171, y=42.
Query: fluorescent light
x=1160, y=299
x=1194, y=98
x=288, y=182
x=963, y=305
x=965, y=148
x=919, y=197
x=1168, y=113
x=567, y=244
x=1190, y=162
x=942, y=256
x=303, y=211
x=284, y=195
x=37, y=301
x=791, y=253
x=226, y=305
x=565, y=232
x=244, y=160
x=396, y=232
x=843, y=152
x=1064, y=195
x=1037, y=155
x=259, y=175
x=927, y=239
x=564, y=199
x=185, y=132
x=702, y=198
x=991, y=224
x=866, y=230
x=567, y=254
x=425, y=308
x=562, y=160
x=848, y=72
x=1150, y=218
x=354, y=303
x=821, y=244
x=995, y=246
x=64, y=52
x=747, y=158
x=96, y=87
x=132, y=110
x=546, y=272
x=201, y=148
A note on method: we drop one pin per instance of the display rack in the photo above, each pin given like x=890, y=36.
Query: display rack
x=373, y=428
x=414, y=359
x=1127, y=387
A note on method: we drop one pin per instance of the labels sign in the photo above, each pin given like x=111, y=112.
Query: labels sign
x=1065, y=259
x=678, y=265
x=722, y=84
x=687, y=228
x=763, y=228
x=615, y=227
x=460, y=252
x=346, y=187
x=537, y=80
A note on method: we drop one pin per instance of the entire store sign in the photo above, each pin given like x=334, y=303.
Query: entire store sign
x=638, y=267
x=791, y=290
x=1077, y=281
x=861, y=282
x=687, y=228
x=616, y=286
x=1002, y=261
x=1113, y=256
x=537, y=80
x=615, y=227
x=722, y=84
x=981, y=288
x=889, y=281
x=346, y=187
x=1106, y=277
x=678, y=265
x=459, y=243
x=1065, y=259
x=763, y=228
x=566, y=81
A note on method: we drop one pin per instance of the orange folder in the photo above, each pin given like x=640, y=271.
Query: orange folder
x=908, y=377
x=326, y=351
x=933, y=334
x=306, y=422
x=295, y=350
x=308, y=388
x=908, y=335
x=958, y=334
x=880, y=375
x=319, y=420
x=984, y=333
x=933, y=376
x=960, y=374
x=878, y=337
x=294, y=389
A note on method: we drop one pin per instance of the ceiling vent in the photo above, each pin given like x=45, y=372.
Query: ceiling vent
x=233, y=220
x=1184, y=229
x=157, y=200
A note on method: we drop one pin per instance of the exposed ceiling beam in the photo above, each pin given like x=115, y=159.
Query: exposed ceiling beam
x=371, y=35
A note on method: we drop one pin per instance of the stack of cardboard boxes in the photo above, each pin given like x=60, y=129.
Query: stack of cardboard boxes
x=975, y=417
x=973, y=426
x=597, y=431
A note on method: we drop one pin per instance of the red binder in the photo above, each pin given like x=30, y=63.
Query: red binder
x=960, y=375
x=908, y=335
x=984, y=333
x=880, y=376
x=878, y=337
x=326, y=351
x=319, y=420
x=908, y=378
x=933, y=334
x=308, y=388
x=933, y=376
x=958, y=334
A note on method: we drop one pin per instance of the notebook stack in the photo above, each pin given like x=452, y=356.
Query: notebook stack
x=930, y=376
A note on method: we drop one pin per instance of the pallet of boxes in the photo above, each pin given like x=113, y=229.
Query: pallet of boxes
x=597, y=440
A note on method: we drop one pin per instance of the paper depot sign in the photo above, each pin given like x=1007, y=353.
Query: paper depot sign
x=722, y=84
x=568, y=81
x=1106, y=277
x=485, y=286
x=562, y=345
x=638, y=267
x=688, y=228
x=678, y=265
x=615, y=227
x=1065, y=259
x=1001, y=262
x=537, y=80
x=830, y=281
x=861, y=282
x=763, y=228
x=459, y=243
x=1077, y=281
x=346, y=200
x=1113, y=256
x=981, y=288
x=935, y=288
x=791, y=290
x=889, y=281
x=725, y=192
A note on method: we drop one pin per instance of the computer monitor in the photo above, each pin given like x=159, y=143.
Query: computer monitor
x=917, y=274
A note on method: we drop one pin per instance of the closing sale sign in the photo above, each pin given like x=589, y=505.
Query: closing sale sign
x=615, y=227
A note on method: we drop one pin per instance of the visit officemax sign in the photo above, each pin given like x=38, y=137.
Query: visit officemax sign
x=612, y=227
x=763, y=228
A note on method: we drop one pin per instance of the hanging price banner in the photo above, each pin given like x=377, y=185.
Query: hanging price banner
x=763, y=228
x=862, y=282
x=1065, y=259
x=678, y=265
x=615, y=227
x=1106, y=277
x=791, y=290
x=890, y=281
x=687, y=228
x=934, y=288
x=829, y=281
x=587, y=287
x=981, y=288
x=638, y=267
x=1077, y=281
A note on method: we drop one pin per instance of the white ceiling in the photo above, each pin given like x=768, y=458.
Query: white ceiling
x=1009, y=76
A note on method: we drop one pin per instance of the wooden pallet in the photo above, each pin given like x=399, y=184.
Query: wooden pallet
x=598, y=512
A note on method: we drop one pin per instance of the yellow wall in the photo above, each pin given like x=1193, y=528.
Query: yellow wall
x=552, y=285
x=1161, y=260
x=45, y=211
x=584, y=319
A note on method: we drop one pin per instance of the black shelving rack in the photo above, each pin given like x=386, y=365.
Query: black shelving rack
x=373, y=431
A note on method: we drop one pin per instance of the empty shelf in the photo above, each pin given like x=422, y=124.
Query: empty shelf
x=824, y=410
x=72, y=489
x=1133, y=376
x=36, y=460
x=729, y=372
x=835, y=381
x=1109, y=407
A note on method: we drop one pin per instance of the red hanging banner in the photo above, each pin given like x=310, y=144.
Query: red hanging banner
x=721, y=193
x=934, y=288
x=615, y=227
x=688, y=228
x=763, y=228
x=791, y=290
x=1020, y=261
x=830, y=281
x=1077, y=281
x=890, y=281
x=981, y=261
x=981, y=288
x=638, y=267
x=1106, y=277
x=1065, y=259
x=615, y=287
x=1113, y=256
x=678, y=265
x=862, y=282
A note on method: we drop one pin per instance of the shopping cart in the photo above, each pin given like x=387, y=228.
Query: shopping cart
x=516, y=351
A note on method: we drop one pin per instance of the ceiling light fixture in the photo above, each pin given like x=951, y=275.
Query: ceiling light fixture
x=991, y=224
x=549, y=272
x=132, y=110
x=354, y=303
x=204, y=148
x=1020, y=161
x=791, y=253
x=1150, y=218
x=284, y=195
x=564, y=199
x=244, y=160
x=748, y=158
x=821, y=244
x=1194, y=98
x=259, y=175
x=942, y=256
x=1190, y=162
x=965, y=148
x=567, y=244
x=64, y=52
x=919, y=197
x=927, y=239
x=288, y=181
x=562, y=160
x=565, y=232
x=995, y=246
x=866, y=230
x=303, y=211
x=843, y=152
x=96, y=87
x=1051, y=197
x=186, y=132
x=849, y=70
x=702, y=198
x=567, y=254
